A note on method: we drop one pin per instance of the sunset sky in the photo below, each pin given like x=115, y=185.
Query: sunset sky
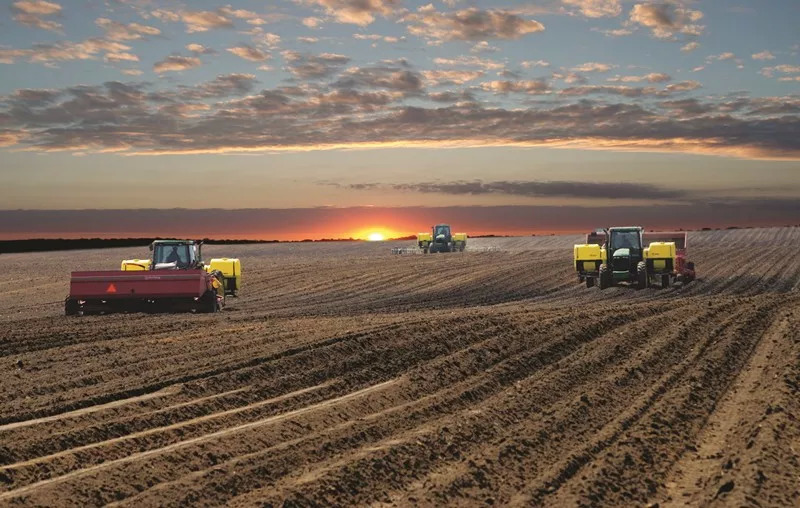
x=297, y=119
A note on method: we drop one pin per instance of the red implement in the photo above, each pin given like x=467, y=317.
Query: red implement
x=115, y=290
x=138, y=284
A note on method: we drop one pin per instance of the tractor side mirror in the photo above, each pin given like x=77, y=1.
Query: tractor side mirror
x=151, y=247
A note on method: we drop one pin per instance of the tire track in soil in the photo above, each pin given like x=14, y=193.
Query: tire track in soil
x=713, y=471
x=273, y=419
x=483, y=430
x=468, y=401
x=434, y=340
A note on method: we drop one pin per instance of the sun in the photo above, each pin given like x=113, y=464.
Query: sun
x=375, y=233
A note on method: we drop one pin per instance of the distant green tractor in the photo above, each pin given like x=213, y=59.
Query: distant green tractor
x=442, y=239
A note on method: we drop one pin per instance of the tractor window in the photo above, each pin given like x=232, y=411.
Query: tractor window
x=626, y=240
x=442, y=230
x=178, y=254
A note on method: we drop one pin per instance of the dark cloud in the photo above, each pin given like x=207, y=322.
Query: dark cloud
x=199, y=49
x=535, y=189
x=597, y=8
x=47, y=53
x=625, y=91
x=665, y=19
x=392, y=77
x=683, y=86
x=307, y=66
x=537, y=86
x=317, y=222
x=36, y=97
x=132, y=117
x=174, y=63
x=358, y=12
x=84, y=105
x=469, y=24
x=653, y=77
x=33, y=13
x=688, y=107
x=196, y=21
x=250, y=53
x=773, y=106
x=631, y=91
x=225, y=85
x=117, y=31
x=450, y=77
x=449, y=96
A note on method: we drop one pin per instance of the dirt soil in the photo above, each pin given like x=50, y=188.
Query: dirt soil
x=344, y=374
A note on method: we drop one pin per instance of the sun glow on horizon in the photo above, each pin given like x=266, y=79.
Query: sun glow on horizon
x=375, y=234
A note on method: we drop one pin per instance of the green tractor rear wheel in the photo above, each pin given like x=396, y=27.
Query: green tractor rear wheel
x=604, y=276
x=641, y=275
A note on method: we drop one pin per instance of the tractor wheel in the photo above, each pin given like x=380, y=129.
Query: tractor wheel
x=641, y=275
x=209, y=302
x=71, y=307
x=589, y=282
x=690, y=277
x=461, y=247
x=605, y=277
x=665, y=280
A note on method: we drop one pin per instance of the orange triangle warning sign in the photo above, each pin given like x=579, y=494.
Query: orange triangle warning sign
x=111, y=288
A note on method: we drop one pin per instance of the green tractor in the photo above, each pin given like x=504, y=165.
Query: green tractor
x=625, y=260
x=442, y=239
x=629, y=254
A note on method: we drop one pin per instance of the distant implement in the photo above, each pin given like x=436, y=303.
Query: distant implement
x=631, y=255
x=441, y=239
x=174, y=279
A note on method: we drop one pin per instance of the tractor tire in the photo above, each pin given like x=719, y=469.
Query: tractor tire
x=689, y=278
x=71, y=307
x=208, y=302
x=641, y=275
x=461, y=248
x=589, y=282
x=665, y=280
x=605, y=277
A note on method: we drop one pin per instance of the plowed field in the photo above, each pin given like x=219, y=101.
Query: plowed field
x=344, y=374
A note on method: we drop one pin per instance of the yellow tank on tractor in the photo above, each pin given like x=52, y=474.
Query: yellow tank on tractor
x=174, y=278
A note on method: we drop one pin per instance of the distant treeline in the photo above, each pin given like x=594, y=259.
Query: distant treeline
x=51, y=244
